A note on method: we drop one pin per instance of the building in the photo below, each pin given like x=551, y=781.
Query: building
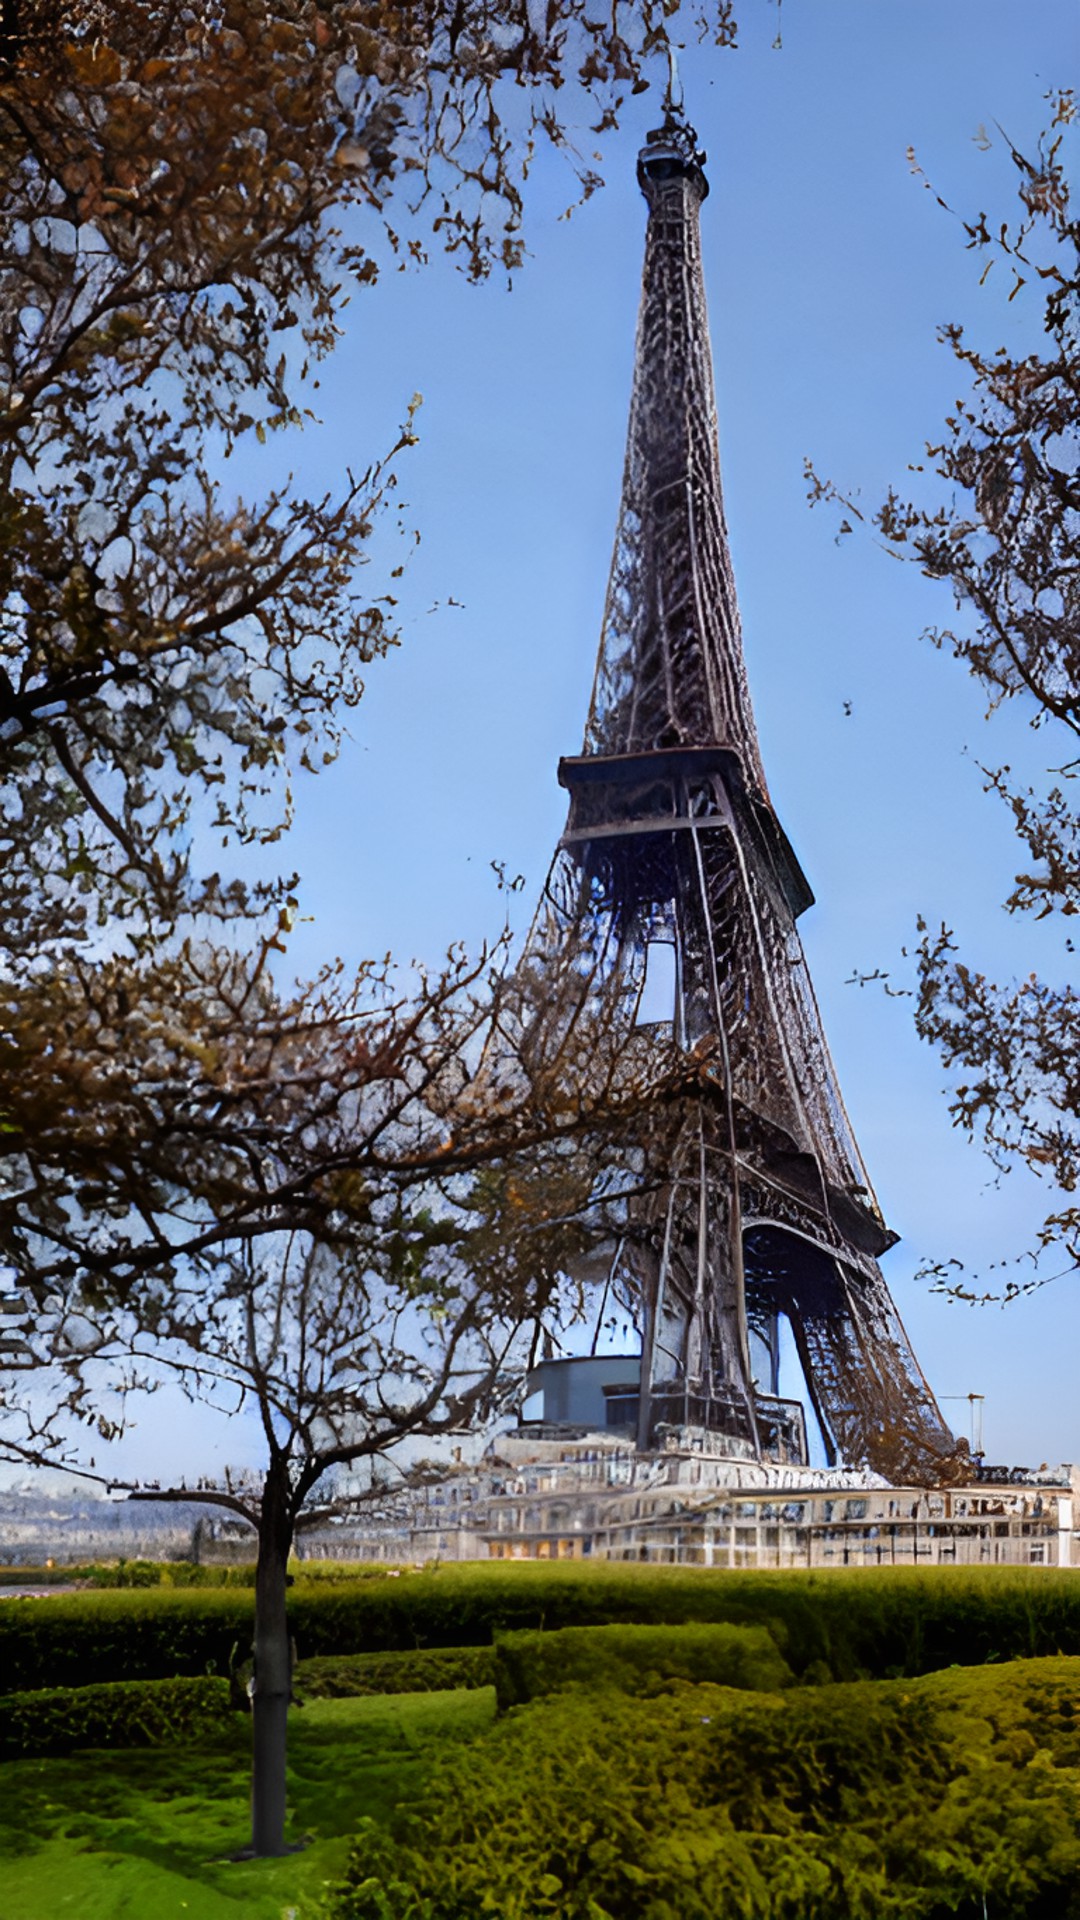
x=605, y=1501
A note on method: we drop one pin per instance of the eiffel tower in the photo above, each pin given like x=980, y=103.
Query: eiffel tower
x=675, y=874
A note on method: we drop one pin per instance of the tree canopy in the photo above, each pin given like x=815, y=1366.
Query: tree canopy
x=341, y=1203
x=187, y=199
x=1003, y=534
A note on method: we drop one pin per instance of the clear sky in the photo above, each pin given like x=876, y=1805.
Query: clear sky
x=828, y=268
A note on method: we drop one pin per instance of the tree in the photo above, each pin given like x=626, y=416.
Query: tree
x=405, y=1308
x=1006, y=540
x=172, y=657
x=354, y=1211
x=379, y=1272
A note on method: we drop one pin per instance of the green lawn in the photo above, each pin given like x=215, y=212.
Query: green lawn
x=147, y=1835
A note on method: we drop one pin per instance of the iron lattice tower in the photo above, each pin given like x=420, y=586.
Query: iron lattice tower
x=673, y=850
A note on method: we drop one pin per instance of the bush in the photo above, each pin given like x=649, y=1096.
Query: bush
x=185, y=1573
x=123, y=1713
x=180, y=1573
x=127, y=1573
x=844, y=1625
x=871, y=1623
x=439, y=1669
x=631, y=1659
x=85, y=1639
x=868, y=1800
x=134, y=1573
x=53, y=1576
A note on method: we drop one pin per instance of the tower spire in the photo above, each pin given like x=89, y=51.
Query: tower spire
x=670, y=671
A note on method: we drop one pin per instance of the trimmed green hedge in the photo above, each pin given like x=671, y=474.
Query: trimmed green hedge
x=435, y=1670
x=184, y=1573
x=956, y=1794
x=163, y=1573
x=843, y=1625
x=635, y=1660
x=86, y=1639
x=128, y=1573
x=180, y=1573
x=123, y=1713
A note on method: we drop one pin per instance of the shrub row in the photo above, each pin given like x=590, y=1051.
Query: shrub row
x=184, y=1573
x=51, y=1576
x=123, y=1713
x=86, y=1639
x=635, y=1660
x=176, y=1573
x=845, y=1624
x=128, y=1573
x=839, y=1625
x=955, y=1794
x=429, y=1670
x=166, y=1573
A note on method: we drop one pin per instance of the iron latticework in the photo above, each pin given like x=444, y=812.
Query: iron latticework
x=673, y=854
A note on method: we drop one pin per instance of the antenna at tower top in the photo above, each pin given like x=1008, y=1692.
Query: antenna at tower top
x=673, y=95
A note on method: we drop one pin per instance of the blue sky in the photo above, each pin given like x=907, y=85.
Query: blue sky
x=828, y=268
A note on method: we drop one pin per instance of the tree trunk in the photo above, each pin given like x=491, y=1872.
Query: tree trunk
x=272, y=1678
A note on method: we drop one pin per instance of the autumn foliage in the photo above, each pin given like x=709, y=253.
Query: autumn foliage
x=338, y=1204
x=999, y=525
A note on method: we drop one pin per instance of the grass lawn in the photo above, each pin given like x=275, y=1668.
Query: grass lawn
x=147, y=1835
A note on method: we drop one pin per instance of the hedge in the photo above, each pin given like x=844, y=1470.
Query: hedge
x=122, y=1713
x=127, y=1573
x=86, y=1639
x=635, y=1660
x=178, y=1573
x=841, y=1625
x=954, y=1794
x=161, y=1573
x=431, y=1670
